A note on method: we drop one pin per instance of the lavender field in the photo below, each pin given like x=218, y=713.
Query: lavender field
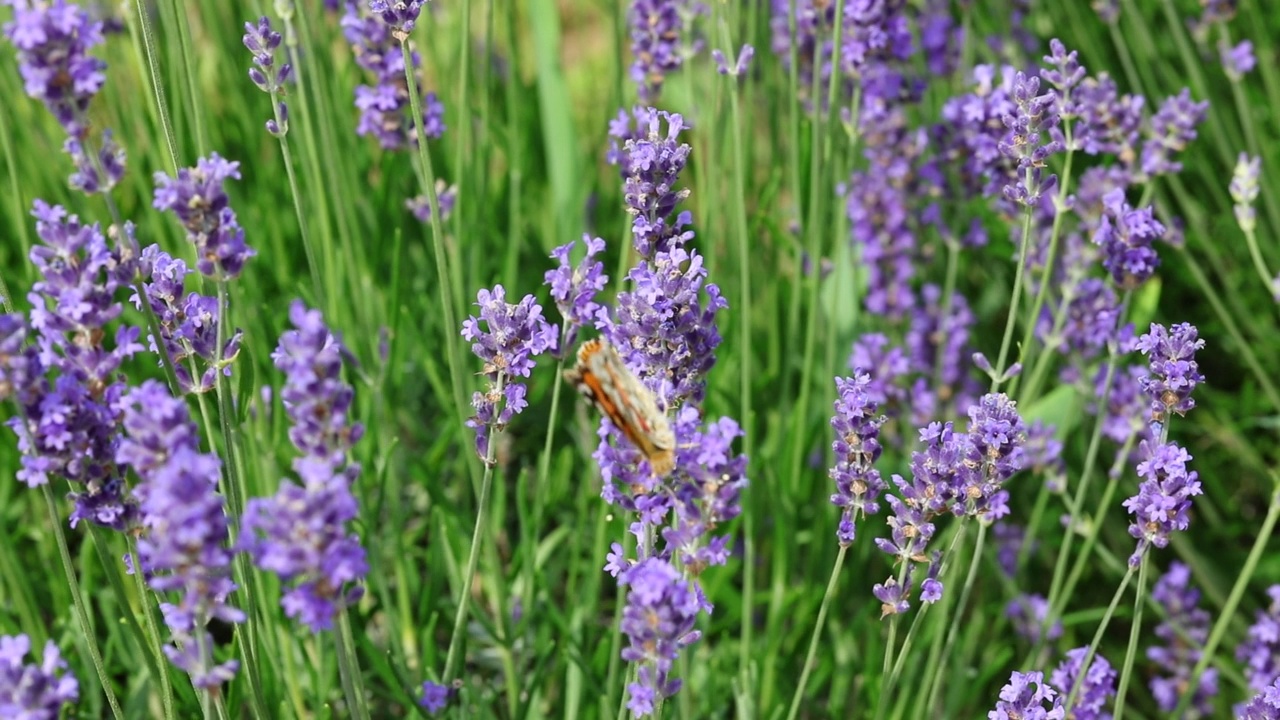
x=783, y=359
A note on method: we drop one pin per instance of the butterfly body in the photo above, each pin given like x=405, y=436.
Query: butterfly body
x=602, y=377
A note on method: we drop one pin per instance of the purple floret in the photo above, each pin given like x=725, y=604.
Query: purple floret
x=199, y=201
x=1024, y=698
x=38, y=691
x=1174, y=373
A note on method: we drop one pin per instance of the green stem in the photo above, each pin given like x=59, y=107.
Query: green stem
x=807, y=668
x=188, y=68
x=1135, y=633
x=744, y=356
x=157, y=85
x=1097, y=636
x=82, y=614
x=349, y=667
x=454, y=658
x=296, y=195
x=437, y=242
x=936, y=683
x=157, y=642
x=1015, y=302
x=15, y=197
x=1228, y=612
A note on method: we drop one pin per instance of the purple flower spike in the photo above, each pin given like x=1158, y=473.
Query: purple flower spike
x=1098, y=686
x=893, y=596
x=21, y=373
x=1264, y=706
x=739, y=68
x=262, y=41
x=446, y=197
x=658, y=621
x=1174, y=373
x=1164, y=497
x=1024, y=698
x=53, y=40
x=1172, y=128
x=657, y=42
x=574, y=289
x=301, y=533
x=1238, y=60
x=651, y=163
x=386, y=111
x=435, y=697
x=994, y=452
x=1033, y=116
x=197, y=198
x=67, y=425
x=1244, y=190
x=38, y=691
x=1260, y=651
x=1182, y=634
x=664, y=329
x=188, y=322
x=399, y=15
x=513, y=335
x=317, y=401
x=857, y=447
x=1028, y=613
x=184, y=545
x=1125, y=236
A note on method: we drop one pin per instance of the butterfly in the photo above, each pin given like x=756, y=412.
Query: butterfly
x=602, y=377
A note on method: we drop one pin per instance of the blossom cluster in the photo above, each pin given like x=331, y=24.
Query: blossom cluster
x=199, y=201
x=53, y=39
x=184, y=547
x=300, y=533
x=67, y=423
x=385, y=107
x=511, y=337
x=38, y=691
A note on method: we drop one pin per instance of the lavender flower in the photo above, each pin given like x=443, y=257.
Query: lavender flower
x=1110, y=123
x=446, y=197
x=184, y=545
x=1028, y=614
x=658, y=621
x=199, y=201
x=1238, y=60
x=300, y=534
x=893, y=595
x=1183, y=633
x=574, y=289
x=739, y=68
x=34, y=692
x=1244, y=191
x=939, y=343
x=1034, y=114
x=1172, y=127
x=262, y=41
x=514, y=336
x=1164, y=497
x=1024, y=698
x=992, y=455
x=67, y=425
x=1260, y=651
x=650, y=163
x=1264, y=706
x=1097, y=687
x=53, y=39
x=656, y=43
x=856, y=447
x=188, y=323
x=1125, y=236
x=664, y=329
x=21, y=373
x=884, y=365
x=386, y=111
x=1174, y=373
x=435, y=697
x=399, y=15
